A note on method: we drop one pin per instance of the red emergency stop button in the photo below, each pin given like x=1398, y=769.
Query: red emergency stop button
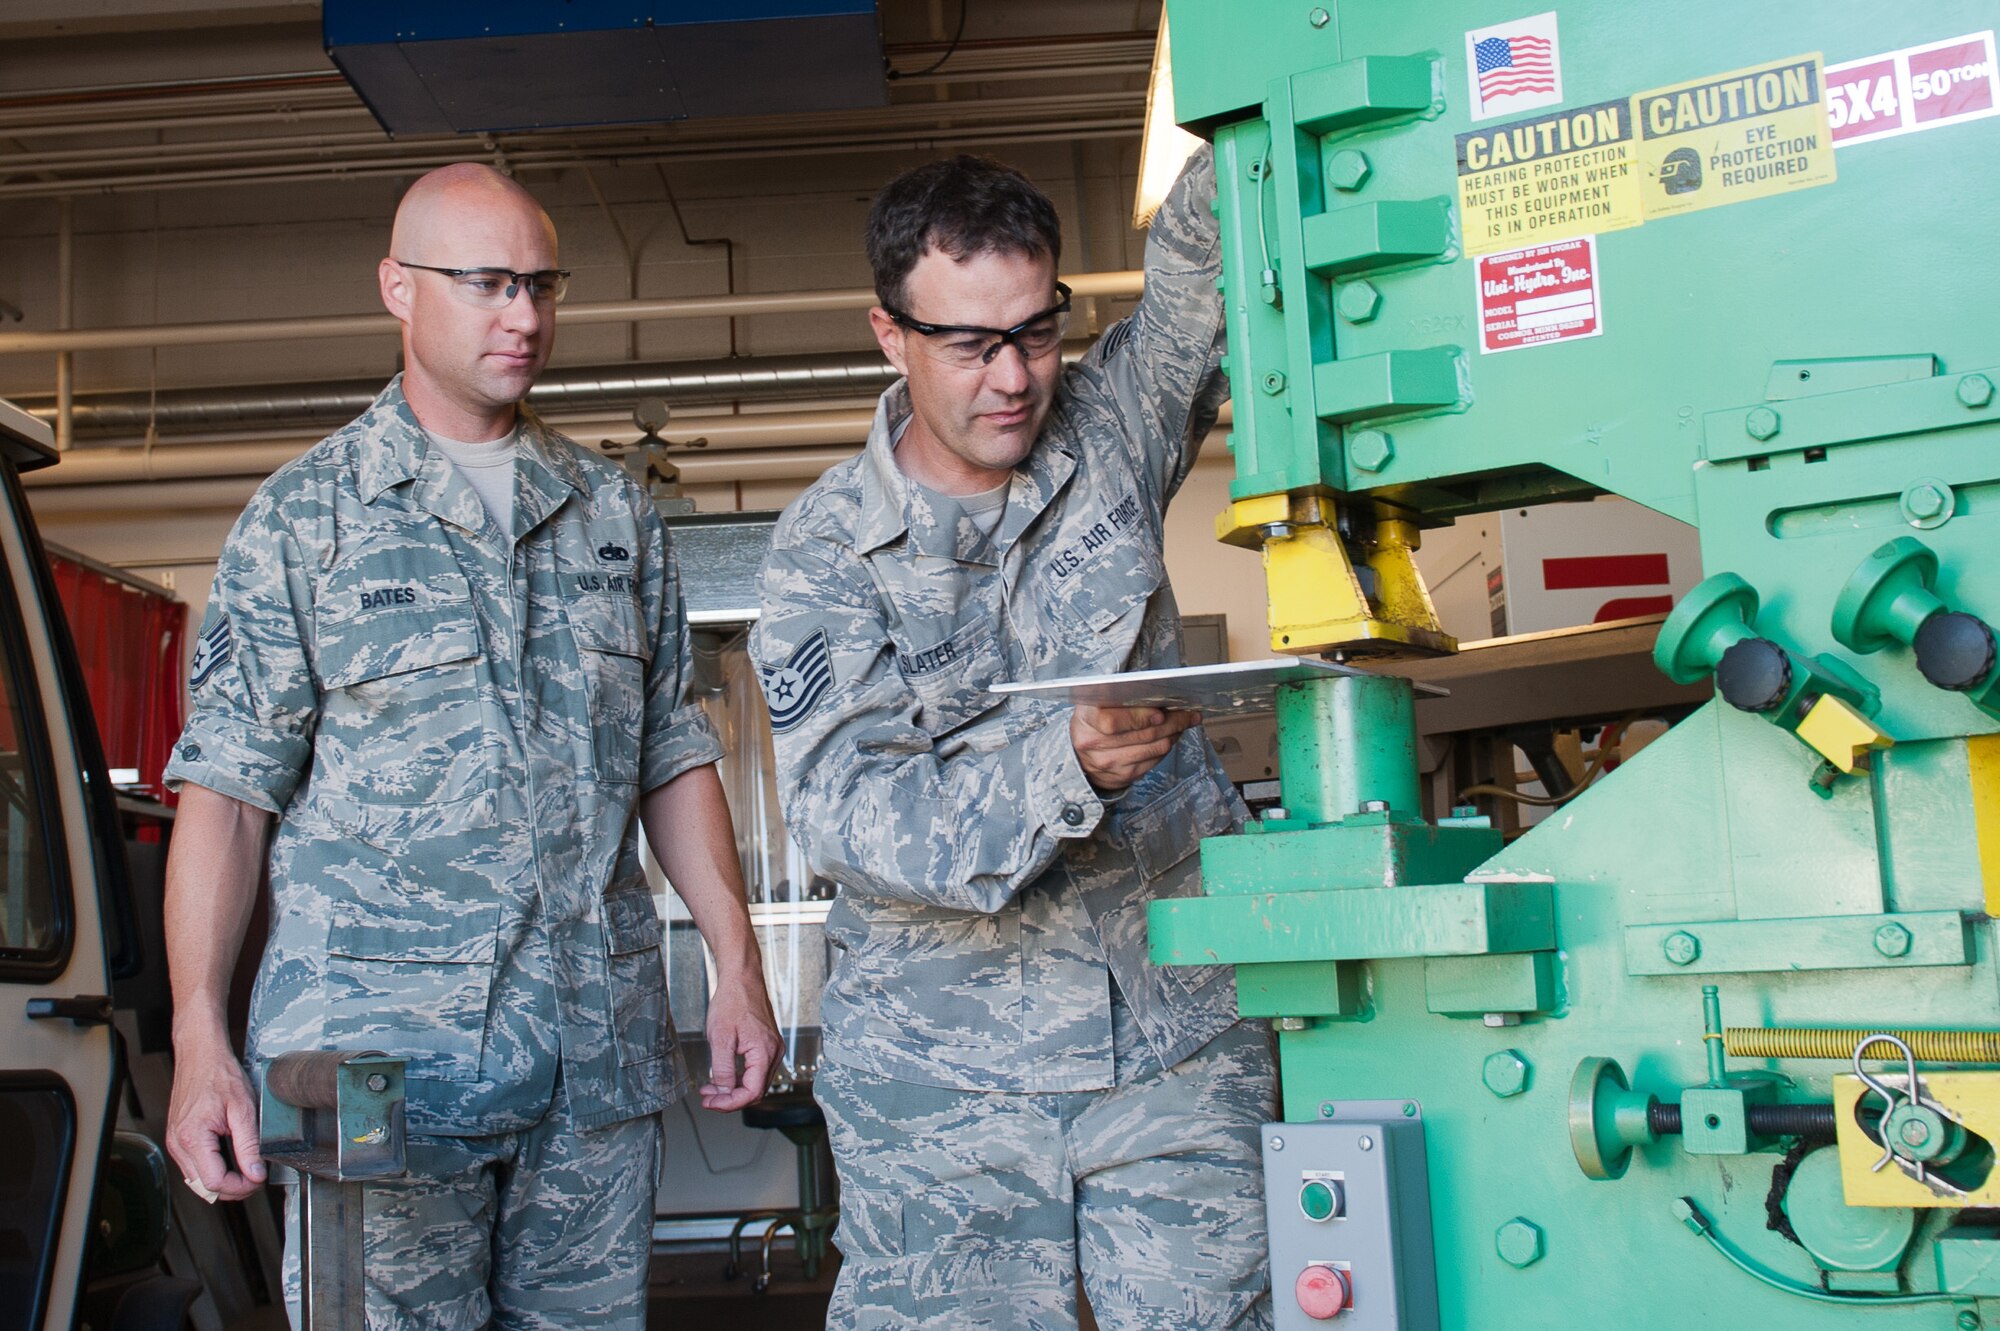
x=1323, y=1291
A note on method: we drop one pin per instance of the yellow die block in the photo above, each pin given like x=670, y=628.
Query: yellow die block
x=1840, y=734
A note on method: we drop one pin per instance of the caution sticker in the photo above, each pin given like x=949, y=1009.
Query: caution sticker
x=1534, y=296
x=1918, y=87
x=1530, y=182
x=1733, y=137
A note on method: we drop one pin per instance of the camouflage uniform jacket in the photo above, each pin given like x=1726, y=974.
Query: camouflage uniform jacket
x=987, y=894
x=454, y=730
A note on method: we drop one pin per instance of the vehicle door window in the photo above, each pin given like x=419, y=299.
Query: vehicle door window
x=32, y=909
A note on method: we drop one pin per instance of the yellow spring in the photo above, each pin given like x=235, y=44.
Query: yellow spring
x=1804, y=1042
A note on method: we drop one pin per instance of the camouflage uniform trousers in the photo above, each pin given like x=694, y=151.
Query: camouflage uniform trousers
x=967, y=1209
x=546, y=1229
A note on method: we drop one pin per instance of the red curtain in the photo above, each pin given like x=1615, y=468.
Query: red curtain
x=130, y=644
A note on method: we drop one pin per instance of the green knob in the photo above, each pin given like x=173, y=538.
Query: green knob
x=1711, y=619
x=1888, y=598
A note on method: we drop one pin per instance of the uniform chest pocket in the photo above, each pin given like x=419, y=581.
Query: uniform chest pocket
x=1100, y=596
x=950, y=678
x=613, y=653
x=397, y=649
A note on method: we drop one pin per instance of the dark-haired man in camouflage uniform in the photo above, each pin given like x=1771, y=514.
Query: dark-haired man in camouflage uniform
x=1014, y=1093
x=445, y=649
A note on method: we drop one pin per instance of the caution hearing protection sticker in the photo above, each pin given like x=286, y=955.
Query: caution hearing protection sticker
x=1528, y=182
x=1733, y=137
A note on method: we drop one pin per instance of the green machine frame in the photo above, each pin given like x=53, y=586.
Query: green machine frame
x=1797, y=355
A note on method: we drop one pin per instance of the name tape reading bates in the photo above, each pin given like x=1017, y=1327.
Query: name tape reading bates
x=1722, y=139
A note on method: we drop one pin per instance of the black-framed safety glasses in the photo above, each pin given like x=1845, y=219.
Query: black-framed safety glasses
x=495, y=288
x=968, y=347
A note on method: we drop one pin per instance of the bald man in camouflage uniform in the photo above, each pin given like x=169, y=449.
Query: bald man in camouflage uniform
x=445, y=652
x=1014, y=1092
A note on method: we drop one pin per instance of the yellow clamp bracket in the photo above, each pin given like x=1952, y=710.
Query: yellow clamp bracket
x=1966, y=1098
x=1317, y=600
x=1840, y=734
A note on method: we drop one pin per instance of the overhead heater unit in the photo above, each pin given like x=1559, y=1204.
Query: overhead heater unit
x=449, y=66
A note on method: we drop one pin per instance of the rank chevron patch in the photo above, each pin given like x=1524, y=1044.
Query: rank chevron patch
x=211, y=651
x=792, y=689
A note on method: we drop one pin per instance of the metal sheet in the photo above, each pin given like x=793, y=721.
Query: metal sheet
x=1242, y=687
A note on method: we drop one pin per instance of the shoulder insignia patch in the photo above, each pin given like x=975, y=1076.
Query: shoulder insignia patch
x=794, y=688
x=1114, y=338
x=210, y=652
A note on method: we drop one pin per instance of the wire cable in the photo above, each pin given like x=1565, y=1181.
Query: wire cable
x=938, y=64
x=701, y=1147
x=1691, y=1215
x=1607, y=745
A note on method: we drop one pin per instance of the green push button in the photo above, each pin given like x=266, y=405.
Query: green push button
x=1321, y=1199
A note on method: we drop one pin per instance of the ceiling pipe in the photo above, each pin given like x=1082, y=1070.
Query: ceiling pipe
x=1125, y=283
x=65, y=418
x=927, y=139
x=567, y=391
x=760, y=446
x=726, y=435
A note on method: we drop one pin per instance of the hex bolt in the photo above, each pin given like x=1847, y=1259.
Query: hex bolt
x=1519, y=1242
x=1365, y=1143
x=1915, y=1132
x=377, y=1082
x=1968, y=1321
x=1275, y=531
x=1358, y=302
x=1277, y=1143
x=1348, y=169
x=1761, y=422
x=1506, y=1073
x=1288, y=1023
x=1374, y=806
x=1326, y=1109
x=1319, y=18
x=1892, y=940
x=1370, y=450
x=1274, y=383
x=1924, y=501
x=1681, y=947
x=1975, y=390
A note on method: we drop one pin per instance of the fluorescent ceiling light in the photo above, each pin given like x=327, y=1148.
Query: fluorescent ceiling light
x=1166, y=146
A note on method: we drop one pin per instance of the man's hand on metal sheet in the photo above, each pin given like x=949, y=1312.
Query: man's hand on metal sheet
x=1116, y=746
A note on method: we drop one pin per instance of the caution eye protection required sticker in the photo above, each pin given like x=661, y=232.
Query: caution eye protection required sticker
x=1733, y=137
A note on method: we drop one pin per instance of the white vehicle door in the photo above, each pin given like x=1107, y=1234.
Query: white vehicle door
x=58, y=1053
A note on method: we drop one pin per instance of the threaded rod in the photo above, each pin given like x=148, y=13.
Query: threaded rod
x=1765, y=1120
x=1805, y=1042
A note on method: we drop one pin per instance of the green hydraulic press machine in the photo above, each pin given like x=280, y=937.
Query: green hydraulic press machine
x=1718, y=1042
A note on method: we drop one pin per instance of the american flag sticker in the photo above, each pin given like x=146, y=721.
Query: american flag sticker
x=1513, y=67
